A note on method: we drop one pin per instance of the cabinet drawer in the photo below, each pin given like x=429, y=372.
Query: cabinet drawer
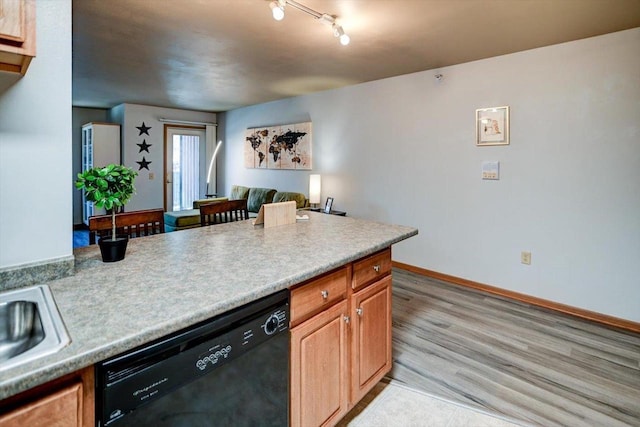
x=371, y=268
x=318, y=294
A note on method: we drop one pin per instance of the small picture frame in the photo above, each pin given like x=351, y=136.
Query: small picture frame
x=328, y=205
x=492, y=126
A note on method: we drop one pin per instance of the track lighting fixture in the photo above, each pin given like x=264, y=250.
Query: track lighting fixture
x=277, y=9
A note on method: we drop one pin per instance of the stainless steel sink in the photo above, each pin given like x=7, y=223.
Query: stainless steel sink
x=30, y=326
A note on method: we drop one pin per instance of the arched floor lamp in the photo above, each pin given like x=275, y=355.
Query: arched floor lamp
x=213, y=160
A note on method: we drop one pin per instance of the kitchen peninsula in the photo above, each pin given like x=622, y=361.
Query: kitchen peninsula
x=171, y=281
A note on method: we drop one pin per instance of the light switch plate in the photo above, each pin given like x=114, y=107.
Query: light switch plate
x=491, y=170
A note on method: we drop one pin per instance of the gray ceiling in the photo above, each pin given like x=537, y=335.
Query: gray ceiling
x=217, y=55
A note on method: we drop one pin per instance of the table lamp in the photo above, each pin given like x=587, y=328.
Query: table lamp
x=314, y=190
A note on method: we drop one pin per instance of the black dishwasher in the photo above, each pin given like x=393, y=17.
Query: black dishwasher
x=231, y=370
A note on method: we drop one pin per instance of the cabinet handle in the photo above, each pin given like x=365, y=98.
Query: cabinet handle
x=325, y=294
x=377, y=268
x=347, y=319
x=359, y=311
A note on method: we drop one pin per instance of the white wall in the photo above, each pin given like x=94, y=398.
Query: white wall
x=149, y=192
x=35, y=148
x=231, y=170
x=402, y=150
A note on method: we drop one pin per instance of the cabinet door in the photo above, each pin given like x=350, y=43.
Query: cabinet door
x=17, y=35
x=371, y=348
x=60, y=409
x=319, y=372
x=12, y=21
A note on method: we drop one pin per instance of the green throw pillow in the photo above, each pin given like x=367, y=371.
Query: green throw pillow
x=285, y=196
x=258, y=197
x=239, y=192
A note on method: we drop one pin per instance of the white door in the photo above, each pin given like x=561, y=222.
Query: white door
x=185, y=164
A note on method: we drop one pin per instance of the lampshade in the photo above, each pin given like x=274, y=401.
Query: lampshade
x=314, y=189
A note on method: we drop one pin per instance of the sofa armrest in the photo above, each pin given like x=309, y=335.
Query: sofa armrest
x=197, y=203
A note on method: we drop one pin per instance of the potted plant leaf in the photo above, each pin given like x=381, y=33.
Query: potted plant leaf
x=109, y=187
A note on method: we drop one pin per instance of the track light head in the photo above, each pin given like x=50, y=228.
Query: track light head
x=339, y=32
x=277, y=10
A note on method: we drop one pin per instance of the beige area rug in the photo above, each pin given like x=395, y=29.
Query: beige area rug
x=392, y=404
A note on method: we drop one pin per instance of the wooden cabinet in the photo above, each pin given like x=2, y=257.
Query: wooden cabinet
x=319, y=372
x=371, y=337
x=100, y=147
x=17, y=35
x=340, y=339
x=66, y=402
x=62, y=408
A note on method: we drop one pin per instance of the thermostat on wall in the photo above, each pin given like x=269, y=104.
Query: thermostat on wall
x=491, y=170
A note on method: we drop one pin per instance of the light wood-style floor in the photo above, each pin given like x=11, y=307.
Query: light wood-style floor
x=511, y=358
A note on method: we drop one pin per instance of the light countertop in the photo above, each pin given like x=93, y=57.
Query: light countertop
x=170, y=281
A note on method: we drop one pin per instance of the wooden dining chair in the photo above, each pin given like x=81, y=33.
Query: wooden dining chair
x=239, y=209
x=132, y=224
x=221, y=212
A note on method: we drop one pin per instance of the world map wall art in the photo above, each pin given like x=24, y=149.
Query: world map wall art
x=278, y=147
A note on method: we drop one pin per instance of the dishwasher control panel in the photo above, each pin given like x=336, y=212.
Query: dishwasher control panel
x=244, y=338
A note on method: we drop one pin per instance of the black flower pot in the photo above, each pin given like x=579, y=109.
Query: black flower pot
x=113, y=250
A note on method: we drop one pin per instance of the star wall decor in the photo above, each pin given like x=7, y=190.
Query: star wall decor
x=144, y=164
x=143, y=129
x=144, y=146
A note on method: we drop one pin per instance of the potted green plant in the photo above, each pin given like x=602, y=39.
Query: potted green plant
x=109, y=187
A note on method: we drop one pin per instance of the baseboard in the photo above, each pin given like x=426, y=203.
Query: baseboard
x=593, y=316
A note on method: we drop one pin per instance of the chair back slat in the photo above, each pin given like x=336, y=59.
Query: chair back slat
x=133, y=224
x=221, y=212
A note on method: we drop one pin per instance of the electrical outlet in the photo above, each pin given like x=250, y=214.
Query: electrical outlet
x=525, y=257
x=151, y=175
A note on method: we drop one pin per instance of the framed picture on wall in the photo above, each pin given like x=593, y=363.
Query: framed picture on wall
x=492, y=126
x=328, y=205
